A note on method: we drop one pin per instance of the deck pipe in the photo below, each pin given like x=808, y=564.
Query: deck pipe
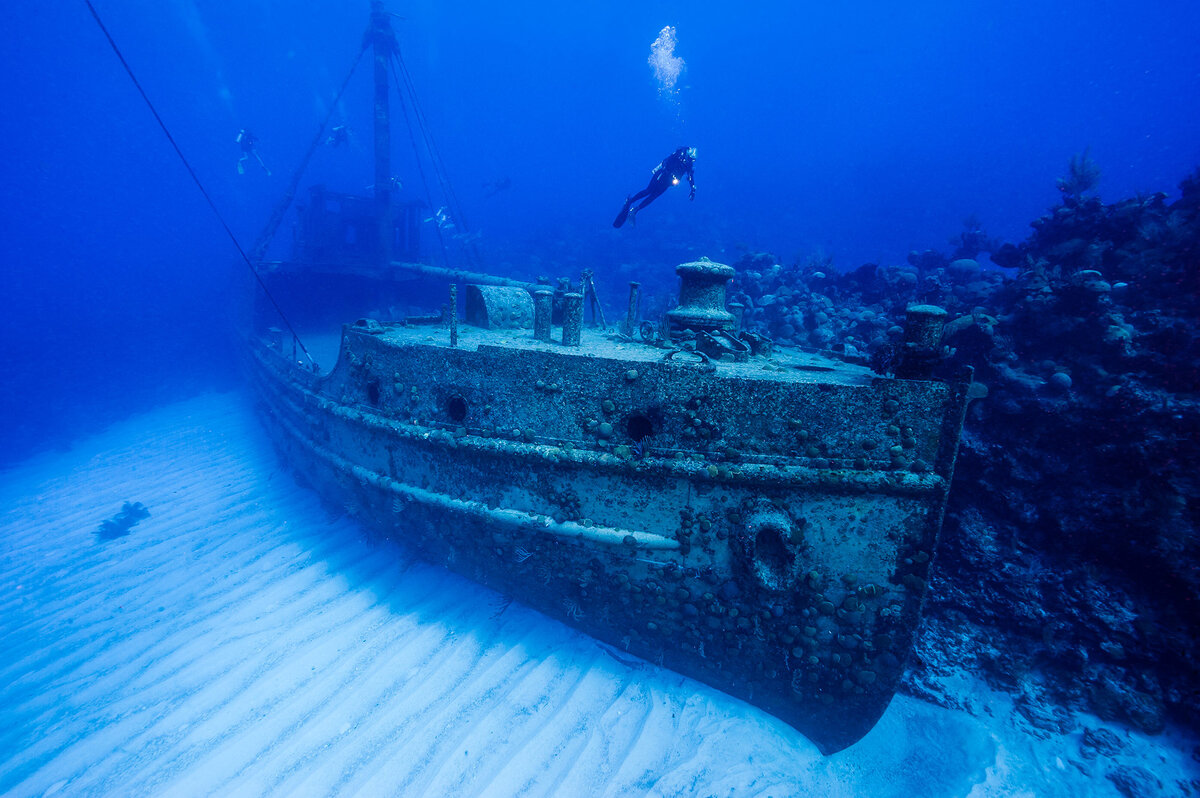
x=631, y=313
x=543, y=307
x=572, y=318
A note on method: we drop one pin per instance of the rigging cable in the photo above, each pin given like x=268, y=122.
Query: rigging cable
x=435, y=157
x=199, y=185
x=439, y=164
x=420, y=169
x=268, y=233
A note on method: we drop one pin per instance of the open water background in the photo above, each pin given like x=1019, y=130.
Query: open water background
x=851, y=134
x=859, y=131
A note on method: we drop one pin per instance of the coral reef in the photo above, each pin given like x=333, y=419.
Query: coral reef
x=1070, y=567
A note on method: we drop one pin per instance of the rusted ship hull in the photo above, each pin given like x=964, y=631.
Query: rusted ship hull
x=770, y=539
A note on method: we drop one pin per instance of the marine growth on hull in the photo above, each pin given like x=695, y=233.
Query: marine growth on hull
x=757, y=516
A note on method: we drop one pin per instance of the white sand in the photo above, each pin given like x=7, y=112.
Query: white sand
x=244, y=641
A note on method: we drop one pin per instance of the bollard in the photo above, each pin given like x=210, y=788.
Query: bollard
x=922, y=348
x=572, y=318
x=631, y=314
x=543, y=305
x=737, y=309
x=701, y=298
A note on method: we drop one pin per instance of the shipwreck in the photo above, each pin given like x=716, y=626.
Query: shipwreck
x=757, y=517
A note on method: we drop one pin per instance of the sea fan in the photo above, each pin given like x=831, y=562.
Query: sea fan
x=1082, y=176
x=572, y=609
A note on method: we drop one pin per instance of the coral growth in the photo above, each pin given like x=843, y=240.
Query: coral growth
x=1083, y=174
x=120, y=524
x=1071, y=546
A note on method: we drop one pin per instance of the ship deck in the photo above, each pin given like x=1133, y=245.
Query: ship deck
x=785, y=364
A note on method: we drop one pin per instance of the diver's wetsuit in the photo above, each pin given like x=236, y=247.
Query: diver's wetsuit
x=668, y=173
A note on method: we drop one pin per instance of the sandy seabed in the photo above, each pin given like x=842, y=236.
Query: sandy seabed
x=245, y=640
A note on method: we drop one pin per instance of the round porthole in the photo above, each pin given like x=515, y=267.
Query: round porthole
x=772, y=558
x=639, y=426
x=456, y=408
x=771, y=545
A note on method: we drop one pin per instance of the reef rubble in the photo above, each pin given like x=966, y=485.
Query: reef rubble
x=1069, y=573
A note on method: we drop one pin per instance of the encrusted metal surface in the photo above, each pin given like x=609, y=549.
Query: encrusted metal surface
x=765, y=526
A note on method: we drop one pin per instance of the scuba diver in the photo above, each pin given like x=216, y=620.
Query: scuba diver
x=248, y=141
x=668, y=173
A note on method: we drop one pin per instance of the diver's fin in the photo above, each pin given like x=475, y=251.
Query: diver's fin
x=624, y=214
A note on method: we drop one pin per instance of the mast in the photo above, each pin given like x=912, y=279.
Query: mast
x=383, y=40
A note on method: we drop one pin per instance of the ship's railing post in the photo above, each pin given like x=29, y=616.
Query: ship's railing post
x=453, y=314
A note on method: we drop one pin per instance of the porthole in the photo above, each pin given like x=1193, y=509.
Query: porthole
x=639, y=427
x=456, y=408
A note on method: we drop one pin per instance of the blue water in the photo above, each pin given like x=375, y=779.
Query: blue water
x=860, y=131
x=855, y=132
